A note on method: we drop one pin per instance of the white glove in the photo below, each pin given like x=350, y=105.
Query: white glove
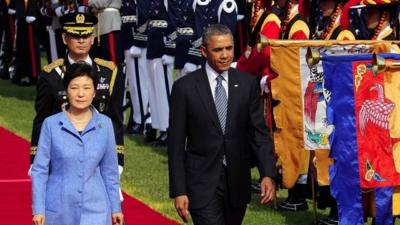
x=30, y=171
x=121, y=197
x=234, y=64
x=167, y=59
x=11, y=11
x=59, y=11
x=43, y=11
x=239, y=17
x=82, y=9
x=135, y=51
x=120, y=169
x=264, y=85
x=188, y=67
x=30, y=19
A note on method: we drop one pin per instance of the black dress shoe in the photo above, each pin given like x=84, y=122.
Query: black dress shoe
x=149, y=134
x=161, y=140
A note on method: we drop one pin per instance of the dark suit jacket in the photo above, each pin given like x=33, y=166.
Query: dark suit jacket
x=196, y=142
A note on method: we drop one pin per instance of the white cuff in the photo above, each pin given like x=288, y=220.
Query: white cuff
x=120, y=169
x=11, y=11
x=135, y=51
x=167, y=59
x=188, y=67
x=121, y=197
x=59, y=11
x=30, y=171
x=264, y=84
x=30, y=19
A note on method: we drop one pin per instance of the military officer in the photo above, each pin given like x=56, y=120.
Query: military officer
x=51, y=97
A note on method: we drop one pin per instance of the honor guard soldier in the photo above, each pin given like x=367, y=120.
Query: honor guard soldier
x=159, y=79
x=182, y=11
x=27, y=48
x=209, y=12
x=138, y=75
x=51, y=97
x=129, y=21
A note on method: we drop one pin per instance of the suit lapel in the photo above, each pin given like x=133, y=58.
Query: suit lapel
x=204, y=90
x=233, y=94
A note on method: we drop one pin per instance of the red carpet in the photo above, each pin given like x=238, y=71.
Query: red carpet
x=15, y=188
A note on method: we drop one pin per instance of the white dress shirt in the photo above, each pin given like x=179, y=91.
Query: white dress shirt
x=212, y=79
x=88, y=60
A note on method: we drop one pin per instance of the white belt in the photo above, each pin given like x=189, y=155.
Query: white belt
x=185, y=31
x=158, y=23
x=110, y=10
x=128, y=19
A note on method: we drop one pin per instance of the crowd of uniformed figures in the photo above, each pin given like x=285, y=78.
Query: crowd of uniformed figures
x=147, y=44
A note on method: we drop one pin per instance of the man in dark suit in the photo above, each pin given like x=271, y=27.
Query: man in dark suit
x=216, y=119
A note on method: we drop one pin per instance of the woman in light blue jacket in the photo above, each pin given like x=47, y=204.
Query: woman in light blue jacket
x=75, y=172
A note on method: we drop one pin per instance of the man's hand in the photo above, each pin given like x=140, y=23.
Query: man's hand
x=117, y=218
x=182, y=206
x=38, y=219
x=267, y=187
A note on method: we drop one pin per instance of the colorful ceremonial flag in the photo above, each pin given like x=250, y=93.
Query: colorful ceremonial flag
x=300, y=116
x=361, y=108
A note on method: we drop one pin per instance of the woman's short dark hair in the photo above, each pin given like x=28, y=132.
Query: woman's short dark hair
x=79, y=69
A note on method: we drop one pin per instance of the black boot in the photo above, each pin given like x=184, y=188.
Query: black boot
x=296, y=200
x=149, y=134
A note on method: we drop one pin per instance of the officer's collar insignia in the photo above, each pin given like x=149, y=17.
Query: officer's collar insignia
x=80, y=18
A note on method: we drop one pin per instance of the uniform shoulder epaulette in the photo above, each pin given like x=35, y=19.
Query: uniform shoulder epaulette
x=346, y=35
x=299, y=25
x=48, y=68
x=272, y=17
x=105, y=63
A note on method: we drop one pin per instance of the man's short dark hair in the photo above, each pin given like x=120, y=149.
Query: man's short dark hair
x=79, y=69
x=215, y=29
